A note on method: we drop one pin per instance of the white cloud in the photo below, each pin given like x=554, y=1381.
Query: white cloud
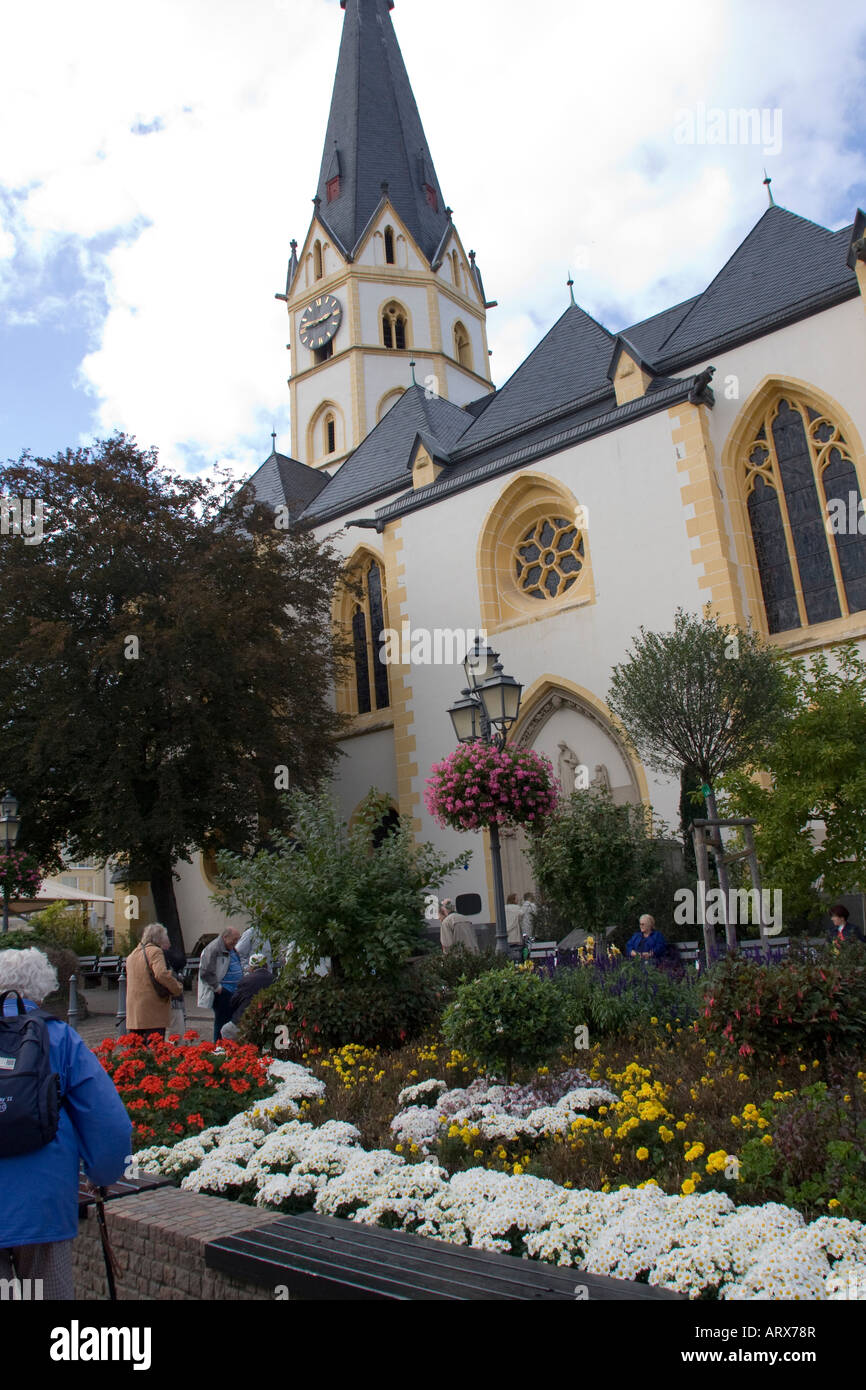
x=553, y=135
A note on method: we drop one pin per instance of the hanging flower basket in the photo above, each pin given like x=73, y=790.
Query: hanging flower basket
x=477, y=786
x=19, y=874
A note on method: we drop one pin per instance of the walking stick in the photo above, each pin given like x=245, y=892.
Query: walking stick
x=112, y=1269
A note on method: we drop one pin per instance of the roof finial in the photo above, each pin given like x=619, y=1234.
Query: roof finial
x=384, y=186
x=767, y=181
x=412, y=369
x=274, y=441
x=570, y=283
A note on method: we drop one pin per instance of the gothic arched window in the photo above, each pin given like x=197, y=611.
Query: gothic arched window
x=394, y=326
x=330, y=434
x=801, y=494
x=369, y=685
x=389, y=245
x=318, y=265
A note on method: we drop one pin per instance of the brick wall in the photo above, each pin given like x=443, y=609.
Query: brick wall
x=158, y=1238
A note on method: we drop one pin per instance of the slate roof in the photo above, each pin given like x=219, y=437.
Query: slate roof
x=379, y=464
x=570, y=363
x=283, y=481
x=375, y=131
x=784, y=262
x=649, y=333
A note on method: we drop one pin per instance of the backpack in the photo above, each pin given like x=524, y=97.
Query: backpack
x=29, y=1089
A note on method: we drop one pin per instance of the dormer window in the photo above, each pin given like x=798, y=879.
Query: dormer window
x=394, y=327
x=389, y=246
x=430, y=195
x=332, y=188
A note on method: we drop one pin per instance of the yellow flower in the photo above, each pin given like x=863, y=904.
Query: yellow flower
x=653, y=1020
x=642, y=1154
x=681, y=1124
x=766, y=1139
x=517, y=1169
x=802, y=1066
x=478, y=1153
x=833, y=1204
x=607, y=1131
x=398, y=1148
x=688, y=1187
x=665, y=1134
x=694, y=1152
x=742, y=1076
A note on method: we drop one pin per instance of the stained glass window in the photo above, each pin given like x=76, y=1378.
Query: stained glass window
x=549, y=558
x=801, y=493
x=368, y=643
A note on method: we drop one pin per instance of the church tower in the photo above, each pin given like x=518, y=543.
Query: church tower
x=382, y=279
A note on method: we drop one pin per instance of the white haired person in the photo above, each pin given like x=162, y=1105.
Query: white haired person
x=258, y=976
x=647, y=943
x=150, y=984
x=39, y=1183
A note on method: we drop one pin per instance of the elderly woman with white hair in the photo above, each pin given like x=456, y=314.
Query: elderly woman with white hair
x=39, y=1183
x=150, y=984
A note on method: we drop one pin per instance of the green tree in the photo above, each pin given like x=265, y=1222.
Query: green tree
x=352, y=894
x=163, y=651
x=505, y=1018
x=704, y=697
x=816, y=771
x=595, y=862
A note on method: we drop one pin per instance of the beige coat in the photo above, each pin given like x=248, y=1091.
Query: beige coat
x=144, y=1008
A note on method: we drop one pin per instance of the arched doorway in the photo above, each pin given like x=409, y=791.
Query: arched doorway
x=573, y=730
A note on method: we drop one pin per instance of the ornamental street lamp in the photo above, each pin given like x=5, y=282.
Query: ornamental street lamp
x=9, y=826
x=485, y=712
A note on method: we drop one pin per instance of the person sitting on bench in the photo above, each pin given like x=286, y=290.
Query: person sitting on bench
x=454, y=929
x=647, y=943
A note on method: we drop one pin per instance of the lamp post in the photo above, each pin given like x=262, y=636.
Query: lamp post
x=485, y=712
x=9, y=825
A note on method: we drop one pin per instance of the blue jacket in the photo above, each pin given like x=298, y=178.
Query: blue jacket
x=655, y=943
x=39, y=1190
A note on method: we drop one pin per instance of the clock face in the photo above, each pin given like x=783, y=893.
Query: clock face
x=320, y=321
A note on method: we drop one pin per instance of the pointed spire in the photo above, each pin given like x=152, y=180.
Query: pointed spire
x=570, y=283
x=273, y=441
x=412, y=369
x=767, y=181
x=293, y=264
x=375, y=126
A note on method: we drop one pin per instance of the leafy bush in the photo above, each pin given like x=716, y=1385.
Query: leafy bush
x=505, y=1017
x=300, y=1012
x=455, y=967
x=596, y=862
x=622, y=996
x=354, y=895
x=815, y=1000
x=817, y=1159
x=65, y=926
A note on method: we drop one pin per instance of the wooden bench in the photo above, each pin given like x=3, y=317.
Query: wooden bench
x=542, y=950
x=109, y=968
x=322, y=1257
x=124, y=1187
x=88, y=968
x=190, y=972
x=689, y=952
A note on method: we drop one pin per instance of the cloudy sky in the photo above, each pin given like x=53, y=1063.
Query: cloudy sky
x=156, y=159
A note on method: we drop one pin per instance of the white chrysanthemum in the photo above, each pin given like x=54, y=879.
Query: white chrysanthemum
x=424, y=1091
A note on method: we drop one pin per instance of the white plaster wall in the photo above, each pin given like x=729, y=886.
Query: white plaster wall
x=333, y=383
x=197, y=913
x=373, y=295
x=449, y=313
x=461, y=388
x=369, y=762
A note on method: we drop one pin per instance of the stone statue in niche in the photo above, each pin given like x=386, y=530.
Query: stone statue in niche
x=601, y=778
x=567, y=768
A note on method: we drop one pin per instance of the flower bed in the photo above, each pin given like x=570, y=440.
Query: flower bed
x=701, y=1244
x=173, y=1089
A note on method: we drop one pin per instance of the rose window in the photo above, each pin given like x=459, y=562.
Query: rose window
x=549, y=558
